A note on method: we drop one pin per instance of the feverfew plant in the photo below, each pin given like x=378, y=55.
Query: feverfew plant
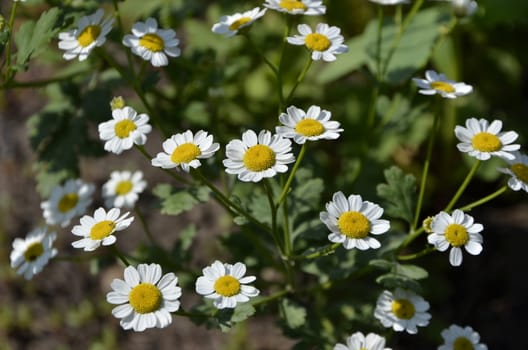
x=312, y=185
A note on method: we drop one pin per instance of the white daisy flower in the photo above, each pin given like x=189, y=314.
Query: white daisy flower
x=351, y=220
x=456, y=230
x=152, y=44
x=123, y=189
x=458, y=338
x=402, y=311
x=231, y=25
x=145, y=297
x=226, y=284
x=481, y=140
x=293, y=7
x=518, y=170
x=358, y=341
x=91, y=32
x=31, y=254
x=124, y=130
x=315, y=124
x=185, y=150
x=390, y=2
x=67, y=201
x=254, y=158
x=325, y=42
x=435, y=83
x=99, y=229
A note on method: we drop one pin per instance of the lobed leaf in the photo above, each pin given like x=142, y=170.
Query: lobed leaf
x=399, y=193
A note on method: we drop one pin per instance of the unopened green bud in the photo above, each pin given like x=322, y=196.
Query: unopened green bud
x=427, y=224
x=117, y=103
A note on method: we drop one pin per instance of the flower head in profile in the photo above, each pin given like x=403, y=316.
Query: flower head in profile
x=390, y=2
x=456, y=230
x=98, y=229
x=152, y=44
x=226, y=284
x=91, y=32
x=256, y=157
x=518, y=170
x=458, y=338
x=67, y=201
x=481, y=140
x=324, y=43
x=31, y=254
x=231, y=25
x=145, y=298
x=351, y=220
x=125, y=129
x=185, y=150
x=294, y=7
x=314, y=124
x=358, y=341
x=435, y=83
x=402, y=311
x=123, y=189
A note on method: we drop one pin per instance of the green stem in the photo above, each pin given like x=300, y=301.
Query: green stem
x=286, y=228
x=485, y=199
x=286, y=187
x=425, y=171
x=287, y=30
x=226, y=202
x=39, y=83
x=410, y=15
x=273, y=211
x=378, y=43
x=272, y=297
x=463, y=186
x=144, y=225
x=326, y=250
x=8, y=44
x=410, y=238
x=118, y=254
x=299, y=79
x=425, y=251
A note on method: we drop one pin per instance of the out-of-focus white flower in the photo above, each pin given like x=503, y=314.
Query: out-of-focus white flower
x=435, y=83
x=231, y=25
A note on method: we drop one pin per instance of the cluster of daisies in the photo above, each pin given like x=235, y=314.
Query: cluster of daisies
x=146, y=40
x=324, y=42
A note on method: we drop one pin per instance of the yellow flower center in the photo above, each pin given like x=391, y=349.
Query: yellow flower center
x=403, y=309
x=353, y=224
x=462, y=343
x=33, y=251
x=89, y=35
x=309, y=127
x=259, y=158
x=456, y=235
x=124, y=127
x=520, y=171
x=145, y=298
x=239, y=23
x=68, y=202
x=291, y=5
x=227, y=286
x=442, y=86
x=102, y=230
x=486, y=142
x=185, y=153
x=317, y=42
x=123, y=187
x=152, y=42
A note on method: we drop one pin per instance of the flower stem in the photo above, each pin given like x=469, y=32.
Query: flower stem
x=286, y=187
x=326, y=250
x=485, y=199
x=463, y=186
x=421, y=253
x=425, y=171
x=272, y=297
x=177, y=177
x=273, y=211
x=8, y=44
x=299, y=79
x=144, y=225
x=118, y=254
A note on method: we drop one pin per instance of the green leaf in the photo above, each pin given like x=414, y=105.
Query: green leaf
x=399, y=193
x=243, y=312
x=175, y=202
x=293, y=315
x=393, y=280
x=412, y=271
x=413, y=49
x=348, y=63
x=33, y=37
